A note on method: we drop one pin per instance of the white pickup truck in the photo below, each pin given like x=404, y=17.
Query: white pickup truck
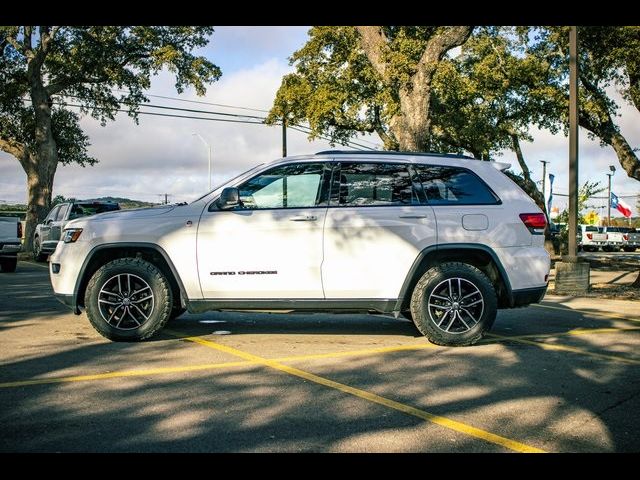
x=631, y=239
x=592, y=238
x=10, y=243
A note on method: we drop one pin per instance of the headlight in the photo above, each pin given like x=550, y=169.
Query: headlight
x=70, y=235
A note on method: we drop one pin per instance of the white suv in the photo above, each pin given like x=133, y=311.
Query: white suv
x=443, y=239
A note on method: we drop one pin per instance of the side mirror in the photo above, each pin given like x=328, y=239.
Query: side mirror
x=229, y=198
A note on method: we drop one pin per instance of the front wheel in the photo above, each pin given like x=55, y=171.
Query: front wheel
x=454, y=304
x=128, y=299
x=629, y=249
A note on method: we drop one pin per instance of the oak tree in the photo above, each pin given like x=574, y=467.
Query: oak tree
x=102, y=69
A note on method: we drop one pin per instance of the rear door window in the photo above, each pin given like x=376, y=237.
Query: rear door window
x=372, y=185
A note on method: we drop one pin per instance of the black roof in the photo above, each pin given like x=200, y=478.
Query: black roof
x=381, y=152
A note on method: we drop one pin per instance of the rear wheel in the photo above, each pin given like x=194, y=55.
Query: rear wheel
x=8, y=264
x=629, y=249
x=454, y=304
x=128, y=299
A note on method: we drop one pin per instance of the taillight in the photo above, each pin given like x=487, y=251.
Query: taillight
x=19, y=229
x=590, y=236
x=625, y=238
x=535, y=222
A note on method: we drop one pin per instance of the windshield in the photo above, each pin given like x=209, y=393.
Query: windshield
x=229, y=181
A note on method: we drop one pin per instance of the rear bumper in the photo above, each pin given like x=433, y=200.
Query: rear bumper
x=10, y=248
x=526, y=296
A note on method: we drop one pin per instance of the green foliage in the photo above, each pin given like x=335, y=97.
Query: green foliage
x=87, y=66
x=334, y=88
x=479, y=100
x=586, y=191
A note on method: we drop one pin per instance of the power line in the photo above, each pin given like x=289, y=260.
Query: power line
x=166, y=107
x=201, y=102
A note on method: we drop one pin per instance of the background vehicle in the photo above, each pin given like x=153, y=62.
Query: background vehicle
x=630, y=239
x=615, y=238
x=10, y=243
x=443, y=239
x=48, y=233
x=592, y=237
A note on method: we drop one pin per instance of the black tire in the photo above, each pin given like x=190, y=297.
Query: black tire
x=461, y=330
x=126, y=322
x=8, y=264
x=607, y=249
x=38, y=256
x=629, y=249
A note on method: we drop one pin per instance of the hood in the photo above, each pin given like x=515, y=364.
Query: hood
x=124, y=214
x=134, y=213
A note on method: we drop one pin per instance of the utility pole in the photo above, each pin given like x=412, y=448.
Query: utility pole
x=573, y=142
x=544, y=180
x=573, y=275
x=613, y=170
x=284, y=136
x=166, y=198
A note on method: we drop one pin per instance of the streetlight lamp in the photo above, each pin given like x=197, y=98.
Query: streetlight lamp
x=209, y=150
x=613, y=171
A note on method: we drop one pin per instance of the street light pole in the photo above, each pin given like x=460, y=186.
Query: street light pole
x=544, y=180
x=613, y=171
x=209, y=152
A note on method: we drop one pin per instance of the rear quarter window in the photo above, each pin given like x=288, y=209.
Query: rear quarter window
x=453, y=186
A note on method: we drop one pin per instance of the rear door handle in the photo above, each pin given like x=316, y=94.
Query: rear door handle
x=303, y=218
x=413, y=216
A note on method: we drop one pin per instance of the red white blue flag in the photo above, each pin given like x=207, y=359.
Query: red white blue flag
x=619, y=204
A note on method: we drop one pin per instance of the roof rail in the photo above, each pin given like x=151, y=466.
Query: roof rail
x=379, y=152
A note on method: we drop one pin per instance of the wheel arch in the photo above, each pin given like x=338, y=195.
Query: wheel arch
x=478, y=255
x=102, y=254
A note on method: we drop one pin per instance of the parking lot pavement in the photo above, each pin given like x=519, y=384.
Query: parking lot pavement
x=557, y=377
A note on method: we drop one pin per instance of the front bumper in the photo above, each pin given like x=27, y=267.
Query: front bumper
x=66, y=299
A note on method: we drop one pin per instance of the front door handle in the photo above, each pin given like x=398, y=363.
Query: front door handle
x=413, y=216
x=303, y=218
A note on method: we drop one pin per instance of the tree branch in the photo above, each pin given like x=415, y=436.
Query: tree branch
x=373, y=40
x=14, y=148
x=436, y=48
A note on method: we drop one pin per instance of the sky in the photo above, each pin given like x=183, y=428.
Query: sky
x=162, y=156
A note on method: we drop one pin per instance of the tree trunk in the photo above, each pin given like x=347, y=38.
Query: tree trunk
x=40, y=166
x=527, y=184
x=40, y=173
x=411, y=127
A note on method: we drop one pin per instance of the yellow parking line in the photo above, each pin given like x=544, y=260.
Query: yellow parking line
x=350, y=353
x=208, y=366
x=296, y=358
x=616, y=316
x=565, y=348
x=121, y=373
x=372, y=397
x=578, y=331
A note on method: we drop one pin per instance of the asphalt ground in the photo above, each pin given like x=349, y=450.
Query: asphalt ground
x=559, y=377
